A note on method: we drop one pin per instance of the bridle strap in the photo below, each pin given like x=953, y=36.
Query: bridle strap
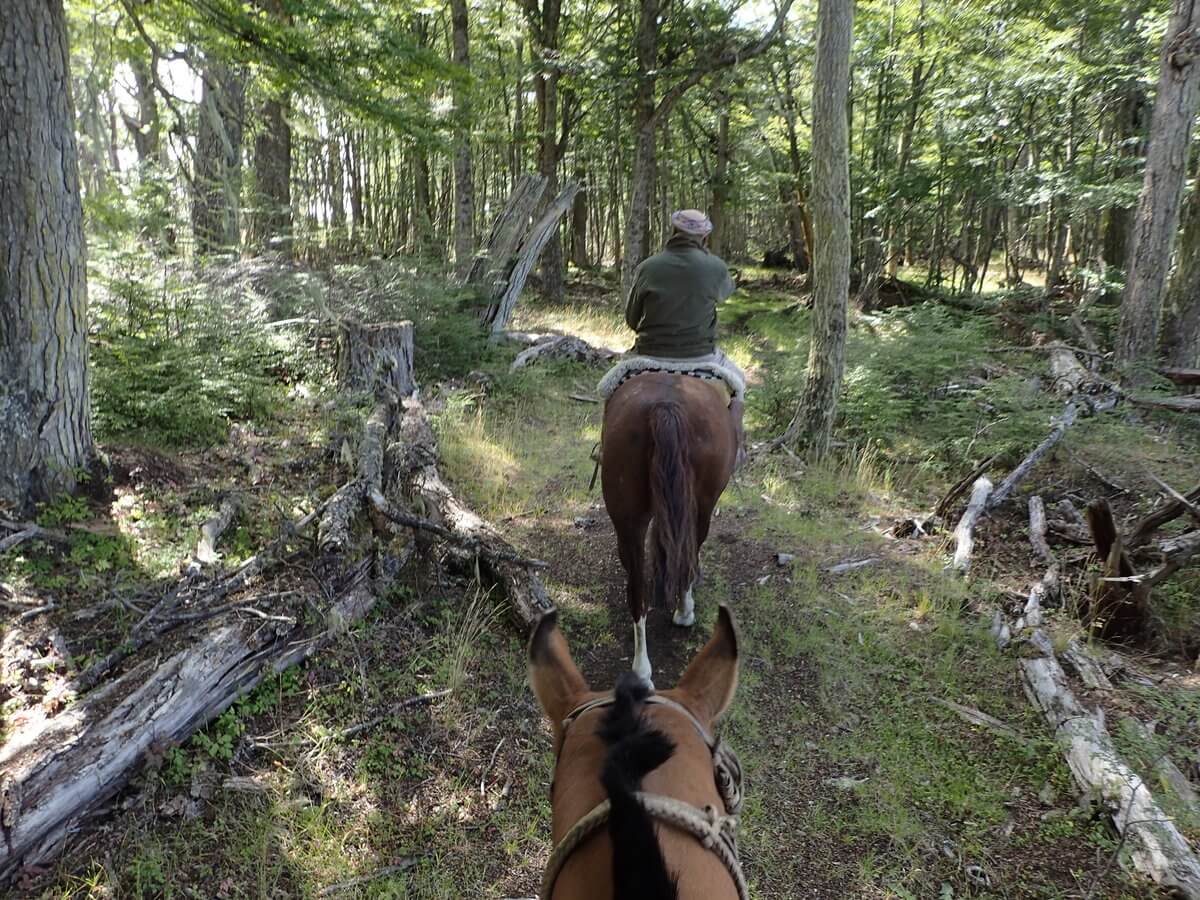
x=656, y=699
x=714, y=830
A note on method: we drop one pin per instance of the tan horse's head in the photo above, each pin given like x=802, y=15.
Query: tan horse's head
x=644, y=797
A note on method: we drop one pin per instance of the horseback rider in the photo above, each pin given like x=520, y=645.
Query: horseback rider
x=673, y=303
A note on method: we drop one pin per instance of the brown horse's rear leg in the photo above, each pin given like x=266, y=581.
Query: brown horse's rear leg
x=685, y=612
x=631, y=543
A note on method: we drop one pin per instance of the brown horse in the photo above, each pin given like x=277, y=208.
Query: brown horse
x=667, y=451
x=631, y=757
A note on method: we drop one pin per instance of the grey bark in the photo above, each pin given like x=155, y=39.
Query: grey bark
x=45, y=413
x=464, y=183
x=1158, y=207
x=812, y=426
x=544, y=23
x=272, y=220
x=218, y=176
x=1181, y=323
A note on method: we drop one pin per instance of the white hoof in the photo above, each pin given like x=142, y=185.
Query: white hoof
x=641, y=653
x=684, y=619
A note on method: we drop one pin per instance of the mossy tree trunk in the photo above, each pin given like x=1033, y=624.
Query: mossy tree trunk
x=45, y=414
x=812, y=426
x=464, y=182
x=218, y=176
x=1162, y=189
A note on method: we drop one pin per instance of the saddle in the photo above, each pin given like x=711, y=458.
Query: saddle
x=724, y=378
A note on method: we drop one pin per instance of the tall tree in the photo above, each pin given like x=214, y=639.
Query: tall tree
x=650, y=111
x=218, y=177
x=464, y=184
x=812, y=426
x=1158, y=207
x=1181, y=325
x=545, y=23
x=46, y=436
x=272, y=218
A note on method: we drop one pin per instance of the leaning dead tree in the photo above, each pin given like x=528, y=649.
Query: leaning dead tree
x=1155, y=845
x=513, y=248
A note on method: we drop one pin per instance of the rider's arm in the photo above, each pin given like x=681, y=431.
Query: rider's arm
x=633, y=306
x=725, y=291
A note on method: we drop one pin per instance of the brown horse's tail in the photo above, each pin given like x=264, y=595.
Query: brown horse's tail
x=672, y=503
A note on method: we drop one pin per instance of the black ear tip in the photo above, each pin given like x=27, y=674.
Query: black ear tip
x=727, y=623
x=540, y=634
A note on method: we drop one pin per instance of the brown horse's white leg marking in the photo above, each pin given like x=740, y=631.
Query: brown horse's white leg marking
x=641, y=654
x=685, y=613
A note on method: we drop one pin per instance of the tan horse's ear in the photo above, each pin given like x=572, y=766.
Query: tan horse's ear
x=711, y=678
x=552, y=673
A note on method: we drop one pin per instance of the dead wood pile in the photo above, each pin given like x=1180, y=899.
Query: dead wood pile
x=215, y=635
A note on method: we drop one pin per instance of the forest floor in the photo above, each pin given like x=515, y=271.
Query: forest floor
x=859, y=782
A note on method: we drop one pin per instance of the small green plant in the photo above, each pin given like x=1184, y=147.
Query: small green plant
x=62, y=510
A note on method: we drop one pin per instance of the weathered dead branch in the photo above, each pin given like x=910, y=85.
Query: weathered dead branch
x=491, y=264
x=211, y=531
x=57, y=770
x=1156, y=846
x=1143, y=532
x=1175, y=404
x=964, y=534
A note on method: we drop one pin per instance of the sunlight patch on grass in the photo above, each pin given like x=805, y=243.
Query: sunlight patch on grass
x=599, y=326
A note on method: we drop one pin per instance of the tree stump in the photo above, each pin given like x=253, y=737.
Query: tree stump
x=375, y=357
x=1114, y=608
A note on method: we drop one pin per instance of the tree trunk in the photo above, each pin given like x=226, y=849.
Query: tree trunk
x=145, y=128
x=464, y=184
x=721, y=182
x=579, y=221
x=218, y=176
x=272, y=220
x=1158, y=206
x=644, y=145
x=1181, y=327
x=46, y=436
x=544, y=24
x=812, y=427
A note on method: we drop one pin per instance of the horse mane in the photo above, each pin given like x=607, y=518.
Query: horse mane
x=634, y=750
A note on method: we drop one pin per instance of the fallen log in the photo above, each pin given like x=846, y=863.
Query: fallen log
x=1156, y=846
x=964, y=534
x=1181, y=376
x=1067, y=372
x=1086, y=666
x=564, y=346
x=56, y=770
x=1175, y=404
x=418, y=471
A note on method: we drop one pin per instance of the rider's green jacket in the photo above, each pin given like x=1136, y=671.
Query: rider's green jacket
x=673, y=302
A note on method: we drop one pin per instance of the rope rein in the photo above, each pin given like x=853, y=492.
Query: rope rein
x=716, y=831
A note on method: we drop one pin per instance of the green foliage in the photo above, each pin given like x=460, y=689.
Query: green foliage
x=180, y=393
